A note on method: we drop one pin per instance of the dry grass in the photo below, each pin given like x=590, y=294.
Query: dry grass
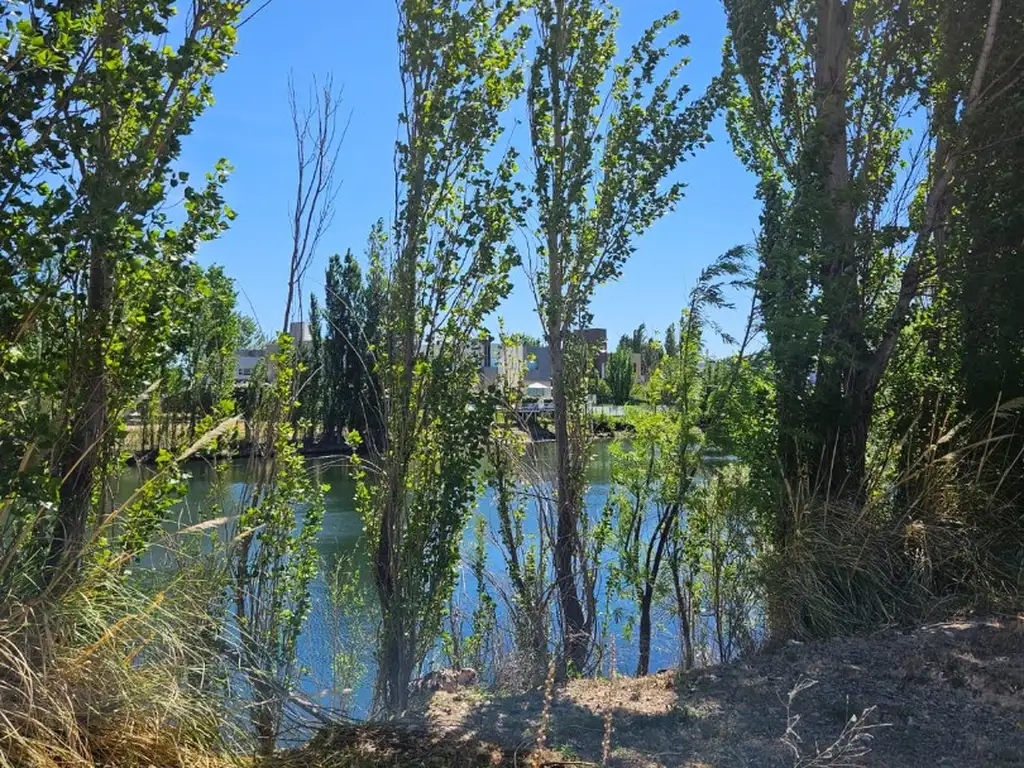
x=940, y=532
x=386, y=745
x=110, y=676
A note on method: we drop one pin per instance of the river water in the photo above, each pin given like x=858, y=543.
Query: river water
x=342, y=536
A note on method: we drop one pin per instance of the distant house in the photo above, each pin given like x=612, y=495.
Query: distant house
x=247, y=360
x=597, y=341
x=300, y=333
x=520, y=365
x=538, y=362
x=596, y=338
x=640, y=372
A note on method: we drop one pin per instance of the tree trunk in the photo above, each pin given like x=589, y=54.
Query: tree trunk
x=840, y=398
x=576, y=637
x=683, y=609
x=398, y=643
x=395, y=665
x=81, y=457
x=267, y=718
x=643, y=664
x=576, y=633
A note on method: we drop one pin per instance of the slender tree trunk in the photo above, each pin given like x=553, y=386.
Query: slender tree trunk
x=643, y=664
x=395, y=664
x=268, y=718
x=575, y=637
x=398, y=647
x=683, y=609
x=576, y=630
x=718, y=578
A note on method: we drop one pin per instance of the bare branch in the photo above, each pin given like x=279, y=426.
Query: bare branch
x=317, y=145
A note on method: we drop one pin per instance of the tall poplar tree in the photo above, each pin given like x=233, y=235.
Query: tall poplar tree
x=605, y=137
x=456, y=206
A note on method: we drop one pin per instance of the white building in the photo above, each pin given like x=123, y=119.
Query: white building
x=248, y=360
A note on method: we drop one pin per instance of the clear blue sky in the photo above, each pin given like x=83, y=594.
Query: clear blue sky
x=250, y=126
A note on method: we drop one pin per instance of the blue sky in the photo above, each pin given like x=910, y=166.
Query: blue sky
x=250, y=126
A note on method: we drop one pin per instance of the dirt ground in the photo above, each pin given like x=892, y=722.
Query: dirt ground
x=946, y=694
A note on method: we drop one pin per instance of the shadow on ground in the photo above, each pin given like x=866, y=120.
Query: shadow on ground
x=947, y=694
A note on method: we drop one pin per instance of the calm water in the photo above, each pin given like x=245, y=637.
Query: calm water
x=342, y=536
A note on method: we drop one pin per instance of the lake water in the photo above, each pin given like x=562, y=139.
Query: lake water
x=342, y=536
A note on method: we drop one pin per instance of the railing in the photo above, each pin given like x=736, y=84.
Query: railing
x=532, y=408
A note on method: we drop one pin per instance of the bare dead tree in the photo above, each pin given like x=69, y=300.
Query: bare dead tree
x=318, y=142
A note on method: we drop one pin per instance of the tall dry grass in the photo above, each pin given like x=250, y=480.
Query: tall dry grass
x=114, y=675
x=941, y=532
x=106, y=663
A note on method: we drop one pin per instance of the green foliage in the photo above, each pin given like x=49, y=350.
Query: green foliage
x=250, y=336
x=526, y=556
x=95, y=283
x=344, y=347
x=671, y=341
x=605, y=136
x=620, y=376
x=476, y=648
x=601, y=390
x=208, y=344
x=375, y=302
x=876, y=300
x=644, y=509
x=527, y=339
x=827, y=176
x=353, y=626
x=274, y=557
x=354, y=317
x=312, y=385
x=142, y=516
x=976, y=324
x=656, y=473
x=649, y=349
x=721, y=535
x=456, y=213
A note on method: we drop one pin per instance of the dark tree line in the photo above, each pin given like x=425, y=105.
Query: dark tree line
x=340, y=393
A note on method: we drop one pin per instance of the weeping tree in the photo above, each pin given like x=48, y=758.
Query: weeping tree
x=450, y=268
x=855, y=207
x=605, y=137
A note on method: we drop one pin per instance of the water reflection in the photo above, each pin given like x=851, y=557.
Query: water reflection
x=342, y=535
